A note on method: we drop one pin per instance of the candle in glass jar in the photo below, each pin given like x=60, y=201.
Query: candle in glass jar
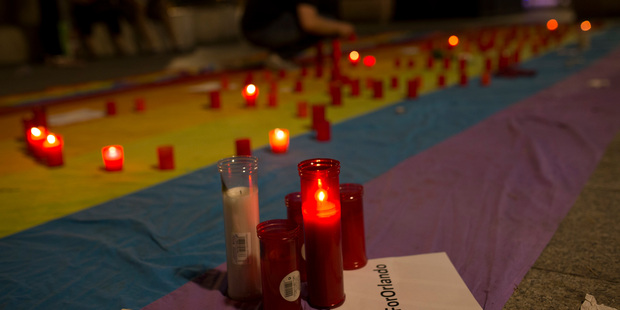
x=250, y=93
x=52, y=148
x=279, y=140
x=36, y=137
x=320, y=194
x=113, y=157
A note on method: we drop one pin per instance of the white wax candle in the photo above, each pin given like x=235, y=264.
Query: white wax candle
x=242, y=246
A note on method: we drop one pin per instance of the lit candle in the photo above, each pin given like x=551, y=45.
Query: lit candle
x=279, y=140
x=52, y=147
x=36, y=137
x=453, y=41
x=354, y=58
x=113, y=157
x=370, y=61
x=320, y=194
x=250, y=93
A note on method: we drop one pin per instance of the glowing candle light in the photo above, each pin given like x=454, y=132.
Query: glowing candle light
x=52, y=148
x=585, y=25
x=552, y=24
x=453, y=41
x=370, y=61
x=354, y=58
x=36, y=137
x=250, y=93
x=113, y=157
x=279, y=140
x=320, y=194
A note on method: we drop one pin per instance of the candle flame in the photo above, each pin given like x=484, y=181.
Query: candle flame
x=321, y=195
x=51, y=139
x=113, y=151
x=552, y=24
x=250, y=89
x=585, y=25
x=35, y=131
x=453, y=40
x=279, y=134
x=354, y=56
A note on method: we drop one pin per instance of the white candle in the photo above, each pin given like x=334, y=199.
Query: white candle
x=242, y=246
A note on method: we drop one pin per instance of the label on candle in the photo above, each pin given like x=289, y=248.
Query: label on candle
x=241, y=247
x=290, y=286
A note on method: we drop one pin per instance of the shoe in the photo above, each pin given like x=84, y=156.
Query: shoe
x=275, y=62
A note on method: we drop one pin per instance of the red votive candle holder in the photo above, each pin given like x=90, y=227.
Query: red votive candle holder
x=279, y=140
x=110, y=108
x=323, y=131
x=302, y=109
x=441, y=80
x=139, y=105
x=299, y=86
x=430, y=61
x=320, y=195
x=396, y=62
x=353, y=236
x=250, y=93
x=272, y=99
x=215, y=99
x=293, y=213
x=464, y=79
x=354, y=58
x=377, y=88
x=355, y=87
x=36, y=137
x=279, y=264
x=410, y=63
x=336, y=95
x=412, y=88
x=394, y=82
x=318, y=114
x=165, y=156
x=447, y=62
x=485, y=79
x=242, y=147
x=113, y=157
x=52, y=148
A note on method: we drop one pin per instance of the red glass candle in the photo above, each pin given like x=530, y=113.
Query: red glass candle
x=320, y=195
x=394, y=82
x=411, y=63
x=336, y=94
x=36, y=137
x=377, y=87
x=355, y=87
x=279, y=140
x=281, y=73
x=302, y=109
x=293, y=213
x=242, y=147
x=353, y=236
x=464, y=79
x=27, y=123
x=397, y=62
x=462, y=63
x=139, y=105
x=323, y=131
x=318, y=114
x=299, y=86
x=39, y=116
x=354, y=58
x=250, y=93
x=441, y=80
x=430, y=61
x=215, y=99
x=110, y=108
x=485, y=79
x=272, y=99
x=113, y=157
x=279, y=264
x=165, y=156
x=412, y=89
x=52, y=148
x=446, y=63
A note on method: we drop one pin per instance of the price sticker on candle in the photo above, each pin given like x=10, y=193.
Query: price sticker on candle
x=290, y=286
x=241, y=247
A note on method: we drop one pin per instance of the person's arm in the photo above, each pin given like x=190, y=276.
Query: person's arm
x=312, y=22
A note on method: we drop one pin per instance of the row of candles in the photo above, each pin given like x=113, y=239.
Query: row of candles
x=322, y=235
